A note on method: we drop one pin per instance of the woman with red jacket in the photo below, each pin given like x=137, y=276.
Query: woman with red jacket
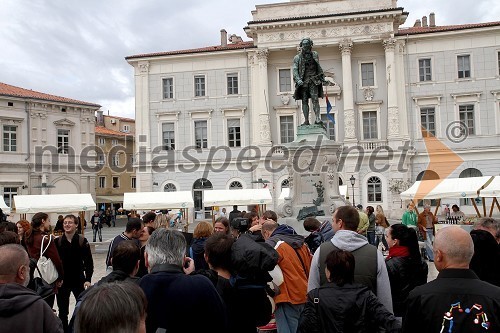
x=405, y=266
x=40, y=224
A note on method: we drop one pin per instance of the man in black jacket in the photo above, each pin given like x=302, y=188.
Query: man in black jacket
x=234, y=213
x=457, y=301
x=78, y=265
x=178, y=302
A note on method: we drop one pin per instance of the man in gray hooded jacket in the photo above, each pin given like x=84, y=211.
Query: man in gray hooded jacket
x=370, y=266
x=21, y=310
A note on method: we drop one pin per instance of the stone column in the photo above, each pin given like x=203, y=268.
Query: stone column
x=262, y=98
x=392, y=92
x=403, y=111
x=143, y=133
x=349, y=119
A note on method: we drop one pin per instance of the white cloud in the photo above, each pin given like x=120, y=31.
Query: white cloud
x=76, y=48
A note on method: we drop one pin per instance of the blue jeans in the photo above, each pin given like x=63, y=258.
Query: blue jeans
x=428, y=243
x=287, y=317
x=371, y=237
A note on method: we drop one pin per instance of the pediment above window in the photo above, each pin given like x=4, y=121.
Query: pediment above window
x=64, y=123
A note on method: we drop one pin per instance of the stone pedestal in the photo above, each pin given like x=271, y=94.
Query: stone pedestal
x=312, y=170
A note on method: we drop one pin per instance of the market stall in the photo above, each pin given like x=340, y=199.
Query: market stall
x=54, y=203
x=449, y=188
x=492, y=190
x=182, y=200
x=4, y=207
x=260, y=197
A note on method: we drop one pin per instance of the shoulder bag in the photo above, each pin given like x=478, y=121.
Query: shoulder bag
x=45, y=267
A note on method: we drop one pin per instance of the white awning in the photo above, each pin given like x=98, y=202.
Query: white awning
x=446, y=188
x=237, y=197
x=54, y=203
x=4, y=207
x=492, y=190
x=158, y=200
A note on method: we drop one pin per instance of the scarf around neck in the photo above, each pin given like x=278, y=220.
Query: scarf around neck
x=398, y=251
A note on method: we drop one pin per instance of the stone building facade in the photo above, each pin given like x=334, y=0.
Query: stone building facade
x=376, y=95
x=43, y=140
x=114, y=137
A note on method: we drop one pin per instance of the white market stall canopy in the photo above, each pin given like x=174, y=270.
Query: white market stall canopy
x=446, y=188
x=492, y=190
x=53, y=203
x=237, y=197
x=4, y=207
x=158, y=200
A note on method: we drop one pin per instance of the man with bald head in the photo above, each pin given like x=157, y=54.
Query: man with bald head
x=457, y=301
x=21, y=310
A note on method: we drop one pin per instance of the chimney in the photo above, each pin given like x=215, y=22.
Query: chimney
x=417, y=23
x=223, y=37
x=424, y=21
x=432, y=20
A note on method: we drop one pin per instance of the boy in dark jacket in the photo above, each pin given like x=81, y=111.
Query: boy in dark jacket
x=343, y=306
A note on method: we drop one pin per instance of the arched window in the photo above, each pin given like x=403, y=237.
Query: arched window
x=202, y=184
x=468, y=173
x=169, y=187
x=285, y=184
x=374, y=189
x=427, y=175
x=341, y=182
x=235, y=185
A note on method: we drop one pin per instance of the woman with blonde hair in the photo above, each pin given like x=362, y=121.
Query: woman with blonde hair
x=197, y=250
x=380, y=225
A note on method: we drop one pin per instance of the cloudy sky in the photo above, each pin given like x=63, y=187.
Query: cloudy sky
x=76, y=48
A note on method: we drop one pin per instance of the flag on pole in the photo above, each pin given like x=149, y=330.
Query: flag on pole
x=329, y=109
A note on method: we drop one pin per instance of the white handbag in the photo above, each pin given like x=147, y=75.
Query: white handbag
x=46, y=269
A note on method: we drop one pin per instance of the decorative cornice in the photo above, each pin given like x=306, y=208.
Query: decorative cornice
x=64, y=122
x=233, y=110
x=169, y=115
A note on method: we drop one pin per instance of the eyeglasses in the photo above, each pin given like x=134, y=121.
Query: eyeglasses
x=68, y=222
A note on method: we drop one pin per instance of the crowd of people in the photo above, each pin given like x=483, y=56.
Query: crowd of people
x=249, y=273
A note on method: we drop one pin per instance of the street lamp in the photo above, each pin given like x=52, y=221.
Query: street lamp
x=353, y=181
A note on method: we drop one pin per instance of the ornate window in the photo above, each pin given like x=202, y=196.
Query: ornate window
x=285, y=184
x=235, y=185
x=169, y=187
x=467, y=173
x=374, y=189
